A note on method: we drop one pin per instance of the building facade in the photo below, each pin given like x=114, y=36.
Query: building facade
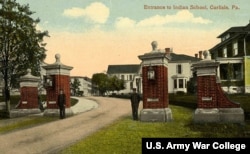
x=85, y=88
x=179, y=73
x=129, y=73
x=233, y=54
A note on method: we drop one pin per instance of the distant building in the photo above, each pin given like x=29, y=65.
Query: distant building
x=85, y=87
x=233, y=53
x=129, y=73
x=179, y=73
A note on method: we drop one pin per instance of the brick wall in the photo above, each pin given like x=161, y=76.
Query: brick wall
x=211, y=95
x=155, y=89
x=29, y=98
x=59, y=82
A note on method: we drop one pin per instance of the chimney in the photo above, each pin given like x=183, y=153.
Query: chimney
x=200, y=54
x=196, y=55
x=167, y=50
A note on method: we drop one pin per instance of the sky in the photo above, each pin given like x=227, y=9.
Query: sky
x=92, y=34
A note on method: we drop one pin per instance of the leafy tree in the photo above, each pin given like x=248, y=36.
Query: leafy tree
x=192, y=84
x=116, y=84
x=75, y=86
x=101, y=81
x=21, y=44
x=106, y=83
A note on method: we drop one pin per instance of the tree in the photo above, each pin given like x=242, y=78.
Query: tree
x=192, y=84
x=21, y=44
x=101, y=81
x=75, y=86
x=116, y=84
x=106, y=83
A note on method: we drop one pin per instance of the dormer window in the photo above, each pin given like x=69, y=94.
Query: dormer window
x=225, y=37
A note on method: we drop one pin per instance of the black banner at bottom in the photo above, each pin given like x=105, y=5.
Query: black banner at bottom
x=186, y=145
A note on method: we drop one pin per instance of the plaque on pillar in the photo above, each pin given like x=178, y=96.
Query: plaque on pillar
x=155, y=86
x=213, y=105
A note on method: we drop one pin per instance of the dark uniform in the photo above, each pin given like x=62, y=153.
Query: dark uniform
x=135, y=100
x=61, y=102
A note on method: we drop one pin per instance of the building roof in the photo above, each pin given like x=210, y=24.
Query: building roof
x=238, y=29
x=223, y=42
x=234, y=32
x=134, y=68
x=181, y=57
x=82, y=77
x=123, y=69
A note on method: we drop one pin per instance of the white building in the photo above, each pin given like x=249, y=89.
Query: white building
x=179, y=73
x=85, y=84
x=128, y=73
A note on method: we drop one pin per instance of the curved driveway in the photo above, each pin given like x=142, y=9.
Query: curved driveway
x=54, y=136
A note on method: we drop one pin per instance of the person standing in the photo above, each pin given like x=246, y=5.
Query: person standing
x=135, y=100
x=61, y=102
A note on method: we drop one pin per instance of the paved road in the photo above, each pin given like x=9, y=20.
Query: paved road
x=54, y=136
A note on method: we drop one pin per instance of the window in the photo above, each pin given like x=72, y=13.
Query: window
x=131, y=85
x=179, y=69
x=175, y=83
x=181, y=83
x=225, y=52
x=225, y=37
x=231, y=71
x=237, y=71
x=122, y=77
x=235, y=48
x=130, y=77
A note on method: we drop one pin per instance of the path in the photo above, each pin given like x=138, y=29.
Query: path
x=54, y=136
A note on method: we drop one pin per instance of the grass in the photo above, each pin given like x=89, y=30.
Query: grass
x=124, y=136
x=24, y=123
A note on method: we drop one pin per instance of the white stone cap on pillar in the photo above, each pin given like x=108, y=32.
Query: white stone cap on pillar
x=207, y=55
x=155, y=57
x=57, y=68
x=207, y=66
x=29, y=80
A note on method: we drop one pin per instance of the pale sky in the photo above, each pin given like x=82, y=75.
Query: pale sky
x=92, y=34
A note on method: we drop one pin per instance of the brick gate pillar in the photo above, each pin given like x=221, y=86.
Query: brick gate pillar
x=28, y=103
x=57, y=77
x=155, y=86
x=212, y=103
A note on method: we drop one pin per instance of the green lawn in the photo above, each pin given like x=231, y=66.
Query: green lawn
x=124, y=136
x=24, y=123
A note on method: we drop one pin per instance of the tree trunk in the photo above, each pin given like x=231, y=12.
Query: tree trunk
x=6, y=96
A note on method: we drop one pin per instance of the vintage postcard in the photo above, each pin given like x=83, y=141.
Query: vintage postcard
x=132, y=71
